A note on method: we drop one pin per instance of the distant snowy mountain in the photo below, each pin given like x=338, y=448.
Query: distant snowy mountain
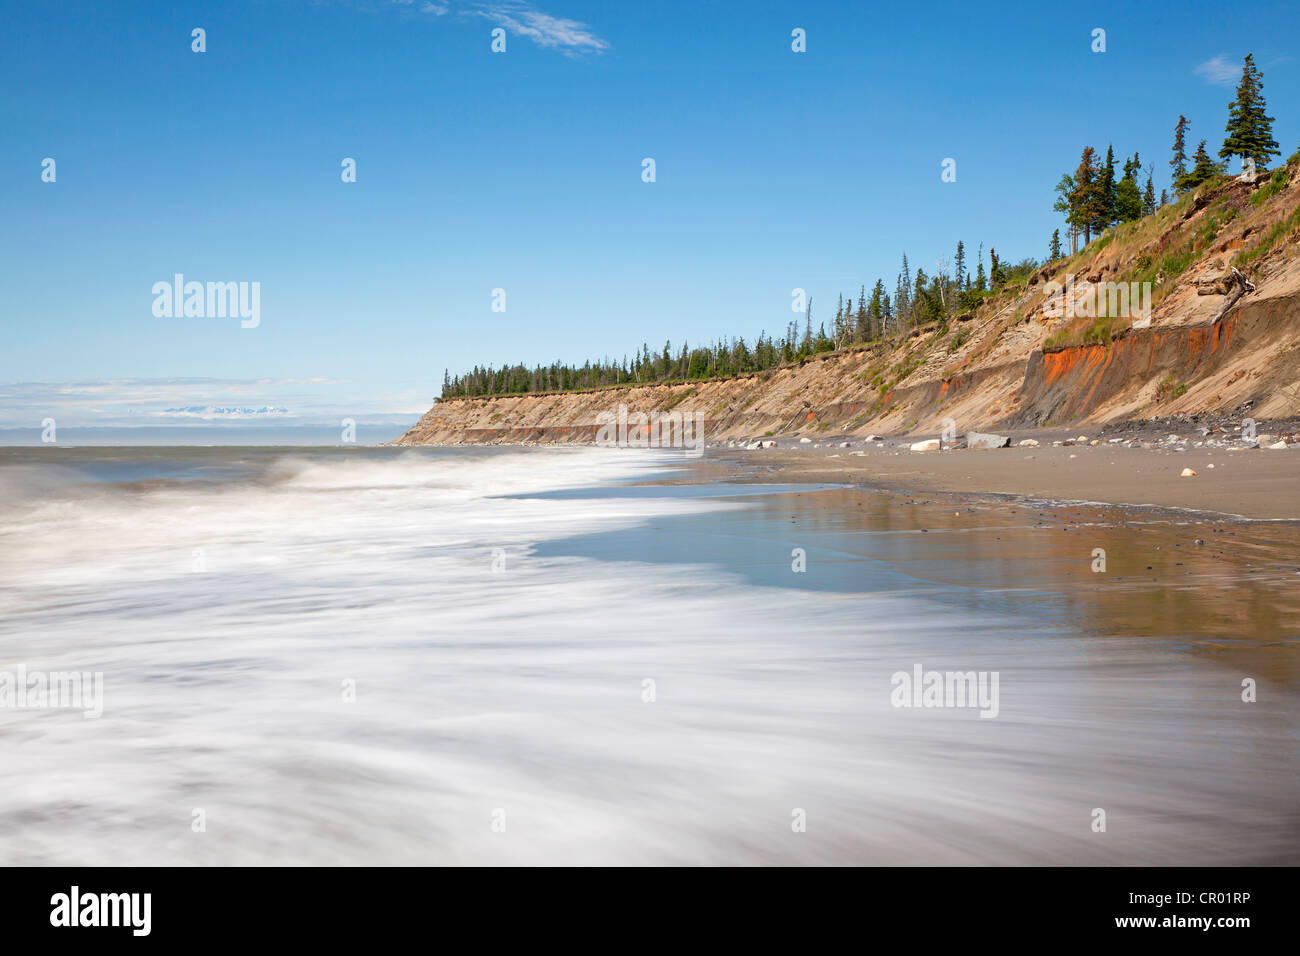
x=225, y=412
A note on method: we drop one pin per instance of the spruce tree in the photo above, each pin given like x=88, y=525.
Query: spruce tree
x=1109, y=213
x=1203, y=168
x=996, y=274
x=1128, y=198
x=903, y=293
x=1087, y=205
x=925, y=299
x=1149, y=197
x=877, y=307
x=1179, y=163
x=1054, y=250
x=822, y=343
x=1250, y=130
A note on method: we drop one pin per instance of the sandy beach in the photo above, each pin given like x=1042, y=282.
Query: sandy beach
x=1250, y=483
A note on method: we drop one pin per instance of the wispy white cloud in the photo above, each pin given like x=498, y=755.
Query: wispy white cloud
x=1219, y=70
x=521, y=19
x=569, y=36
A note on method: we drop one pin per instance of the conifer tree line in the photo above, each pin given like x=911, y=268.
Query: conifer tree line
x=918, y=299
x=1096, y=196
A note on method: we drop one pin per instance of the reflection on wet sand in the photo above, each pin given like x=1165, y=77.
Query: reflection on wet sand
x=1223, y=589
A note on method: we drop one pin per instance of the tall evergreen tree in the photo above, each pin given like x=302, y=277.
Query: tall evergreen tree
x=996, y=273
x=1087, y=203
x=1054, y=249
x=903, y=294
x=1128, y=197
x=1179, y=163
x=1149, y=197
x=1109, y=213
x=1250, y=130
x=877, y=307
x=959, y=262
x=926, y=305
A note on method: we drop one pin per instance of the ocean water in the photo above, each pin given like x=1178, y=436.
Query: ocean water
x=550, y=656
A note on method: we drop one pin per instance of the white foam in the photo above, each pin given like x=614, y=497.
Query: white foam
x=521, y=690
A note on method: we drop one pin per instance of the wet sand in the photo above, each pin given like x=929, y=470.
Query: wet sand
x=1249, y=483
x=1211, y=585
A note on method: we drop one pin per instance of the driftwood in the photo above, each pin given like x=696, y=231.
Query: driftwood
x=1244, y=286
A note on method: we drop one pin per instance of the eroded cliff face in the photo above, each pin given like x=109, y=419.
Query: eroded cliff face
x=1250, y=354
x=1004, y=366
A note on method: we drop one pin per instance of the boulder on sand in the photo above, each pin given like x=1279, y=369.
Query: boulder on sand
x=928, y=445
x=982, y=440
x=1028, y=443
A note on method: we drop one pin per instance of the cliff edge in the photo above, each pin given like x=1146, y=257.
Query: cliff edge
x=1193, y=309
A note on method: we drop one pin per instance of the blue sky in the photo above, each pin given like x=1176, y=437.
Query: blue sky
x=522, y=171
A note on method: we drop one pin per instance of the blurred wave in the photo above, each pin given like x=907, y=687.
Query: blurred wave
x=232, y=597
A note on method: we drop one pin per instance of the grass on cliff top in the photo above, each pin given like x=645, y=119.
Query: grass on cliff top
x=1179, y=245
x=1276, y=183
x=1282, y=230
